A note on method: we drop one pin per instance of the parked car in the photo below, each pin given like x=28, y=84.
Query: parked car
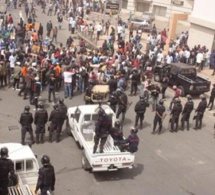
x=184, y=76
x=139, y=23
x=148, y=16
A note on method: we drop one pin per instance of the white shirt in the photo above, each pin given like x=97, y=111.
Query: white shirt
x=12, y=60
x=159, y=57
x=99, y=27
x=199, y=58
x=169, y=59
x=119, y=29
x=67, y=77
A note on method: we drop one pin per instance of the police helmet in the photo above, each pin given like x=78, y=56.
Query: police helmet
x=4, y=152
x=141, y=97
x=61, y=100
x=27, y=108
x=101, y=112
x=40, y=104
x=117, y=123
x=161, y=101
x=119, y=90
x=178, y=100
x=134, y=130
x=55, y=106
x=45, y=159
x=202, y=96
x=189, y=97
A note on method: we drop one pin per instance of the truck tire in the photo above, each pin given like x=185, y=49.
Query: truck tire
x=157, y=77
x=68, y=130
x=182, y=91
x=85, y=163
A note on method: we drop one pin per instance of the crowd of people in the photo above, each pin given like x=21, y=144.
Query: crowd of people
x=30, y=57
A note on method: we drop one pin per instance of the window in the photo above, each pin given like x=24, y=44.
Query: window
x=188, y=71
x=87, y=117
x=174, y=70
x=95, y=117
x=159, y=10
x=29, y=165
x=20, y=166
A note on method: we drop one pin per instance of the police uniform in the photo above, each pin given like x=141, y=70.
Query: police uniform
x=6, y=167
x=63, y=112
x=122, y=105
x=176, y=111
x=200, y=113
x=103, y=126
x=55, y=118
x=40, y=120
x=160, y=109
x=133, y=142
x=188, y=107
x=113, y=102
x=140, y=109
x=134, y=82
x=46, y=179
x=112, y=84
x=26, y=119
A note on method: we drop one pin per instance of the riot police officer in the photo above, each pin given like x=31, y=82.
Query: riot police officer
x=140, y=109
x=159, y=116
x=112, y=84
x=134, y=82
x=63, y=112
x=26, y=119
x=55, y=117
x=122, y=104
x=188, y=107
x=132, y=141
x=113, y=101
x=103, y=126
x=116, y=131
x=6, y=168
x=200, y=112
x=40, y=120
x=176, y=111
x=46, y=178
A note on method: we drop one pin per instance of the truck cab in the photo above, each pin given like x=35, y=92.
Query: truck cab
x=184, y=76
x=26, y=167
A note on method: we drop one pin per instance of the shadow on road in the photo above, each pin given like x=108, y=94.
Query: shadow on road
x=120, y=174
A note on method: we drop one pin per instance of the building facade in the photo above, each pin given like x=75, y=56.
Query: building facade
x=202, y=24
x=162, y=8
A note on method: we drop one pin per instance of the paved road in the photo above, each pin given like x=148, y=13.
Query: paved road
x=171, y=163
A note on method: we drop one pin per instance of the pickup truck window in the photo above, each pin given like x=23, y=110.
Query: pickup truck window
x=188, y=71
x=19, y=165
x=174, y=70
x=87, y=117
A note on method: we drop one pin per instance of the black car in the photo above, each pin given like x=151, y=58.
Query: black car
x=184, y=77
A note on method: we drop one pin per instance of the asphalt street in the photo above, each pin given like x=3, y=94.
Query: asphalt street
x=179, y=163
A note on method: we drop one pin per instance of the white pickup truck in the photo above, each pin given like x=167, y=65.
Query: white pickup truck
x=81, y=125
x=26, y=167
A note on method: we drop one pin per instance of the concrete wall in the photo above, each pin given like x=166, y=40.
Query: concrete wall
x=204, y=9
x=202, y=24
x=172, y=8
x=200, y=35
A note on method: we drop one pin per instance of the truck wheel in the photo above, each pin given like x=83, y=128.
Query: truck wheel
x=182, y=91
x=85, y=163
x=68, y=130
x=157, y=77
